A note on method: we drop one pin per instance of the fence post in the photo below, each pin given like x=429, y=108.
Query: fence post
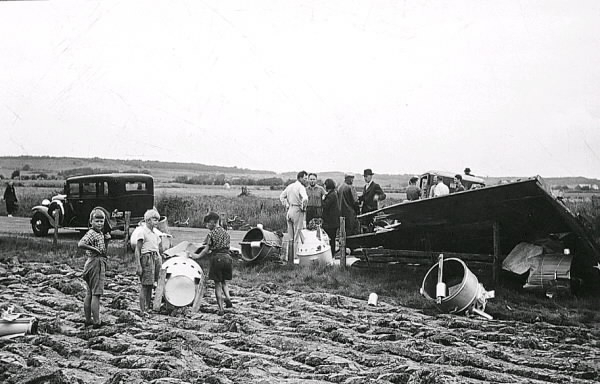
x=291, y=249
x=127, y=223
x=343, y=242
x=56, y=224
x=495, y=267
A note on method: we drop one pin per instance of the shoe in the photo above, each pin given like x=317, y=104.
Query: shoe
x=228, y=304
x=221, y=312
x=97, y=325
x=9, y=215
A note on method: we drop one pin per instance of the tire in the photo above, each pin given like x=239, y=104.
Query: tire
x=40, y=224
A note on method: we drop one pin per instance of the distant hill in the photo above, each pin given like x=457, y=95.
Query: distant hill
x=168, y=171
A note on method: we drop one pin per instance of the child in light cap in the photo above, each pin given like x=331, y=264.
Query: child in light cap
x=95, y=243
x=148, y=252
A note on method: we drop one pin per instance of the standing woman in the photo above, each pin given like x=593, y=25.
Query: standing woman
x=10, y=197
x=331, y=213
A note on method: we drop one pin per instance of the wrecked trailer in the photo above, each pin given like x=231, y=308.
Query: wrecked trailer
x=483, y=225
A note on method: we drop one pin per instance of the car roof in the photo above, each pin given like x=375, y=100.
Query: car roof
x=472, y=179
x=114, y=176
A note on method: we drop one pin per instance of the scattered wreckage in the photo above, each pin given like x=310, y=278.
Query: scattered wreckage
x=485, y=228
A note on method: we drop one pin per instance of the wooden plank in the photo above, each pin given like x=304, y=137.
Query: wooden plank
x=160, y=289
x=127, y=236
x=343, y=242
x=200, y=289
x=56, y=224
x=496, y=259
x=387, y=255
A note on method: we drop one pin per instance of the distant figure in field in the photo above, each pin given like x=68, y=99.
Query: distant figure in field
x=458, y=187
x=10, y=197
x=148, y=253
x=331, y=213
x=220, y=268
x=94, y=243
x=372, y=193
x=348, y=200
x=315, y=194
x=295, y=199
x=439, y=189
x=412, y=191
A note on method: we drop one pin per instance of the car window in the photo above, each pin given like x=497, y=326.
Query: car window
x=135, y=186
x=74, y=189
x=103, y=188
x=88, y=189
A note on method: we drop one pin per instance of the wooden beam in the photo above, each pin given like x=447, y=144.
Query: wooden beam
x=376, y=254
x=127, y=237
x=495, y=267
x=160, y=289
x=343, y=242
x=56, y=224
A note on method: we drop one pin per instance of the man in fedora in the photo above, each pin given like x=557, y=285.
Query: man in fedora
x=348, y=201
x=372, y=193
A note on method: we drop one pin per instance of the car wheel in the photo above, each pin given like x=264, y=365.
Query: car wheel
x=40, y=224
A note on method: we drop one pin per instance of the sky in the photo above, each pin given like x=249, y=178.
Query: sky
x=507, y=88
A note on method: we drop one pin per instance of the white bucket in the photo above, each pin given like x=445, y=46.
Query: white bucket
x=182, y=280
x=372, y=299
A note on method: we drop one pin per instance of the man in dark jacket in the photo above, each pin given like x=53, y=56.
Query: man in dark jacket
x=349, y=204
x=10, y=197
x=372, y=193
x=331, y=213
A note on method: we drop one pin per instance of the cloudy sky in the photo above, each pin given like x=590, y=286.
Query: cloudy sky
x=503, y=87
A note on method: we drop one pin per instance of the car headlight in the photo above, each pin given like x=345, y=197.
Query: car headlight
x=46, y=202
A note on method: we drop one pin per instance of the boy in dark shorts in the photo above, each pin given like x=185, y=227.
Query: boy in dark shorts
x=220, y=268
x=148, y=252
x=94, y=242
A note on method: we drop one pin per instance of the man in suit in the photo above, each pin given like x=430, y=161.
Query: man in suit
x=372, y=193
x=348, y=201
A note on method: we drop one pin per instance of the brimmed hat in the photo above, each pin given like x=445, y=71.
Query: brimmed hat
x=368, y=172
x=348, y=174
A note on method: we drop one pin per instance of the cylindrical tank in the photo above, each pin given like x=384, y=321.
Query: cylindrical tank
x=18, y=327
x=463, y=286
x=314, y=247
x=182, y=280
x=259, y=244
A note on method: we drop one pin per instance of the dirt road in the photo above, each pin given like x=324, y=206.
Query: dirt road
x=20, y=226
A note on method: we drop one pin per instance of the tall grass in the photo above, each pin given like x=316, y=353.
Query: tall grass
x=254, y=210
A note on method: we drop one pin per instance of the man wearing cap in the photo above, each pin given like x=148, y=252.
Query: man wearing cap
x=294, y=198
x=348, y=199
x=372, y=193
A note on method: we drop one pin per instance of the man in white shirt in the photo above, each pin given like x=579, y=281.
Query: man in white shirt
x=295, y=199
x=440, y=189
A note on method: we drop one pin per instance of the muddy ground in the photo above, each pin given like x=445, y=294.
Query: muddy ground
x=273, y=335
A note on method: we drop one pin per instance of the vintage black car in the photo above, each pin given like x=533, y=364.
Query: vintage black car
x=113, y=193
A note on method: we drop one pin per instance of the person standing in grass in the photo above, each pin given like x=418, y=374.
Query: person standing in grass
x=94, y=243
x=295, y=199
x=315, y=192
x=10, y=197
x=148, y=252
x=348, y=200
x=220, y=267
x=331, y=213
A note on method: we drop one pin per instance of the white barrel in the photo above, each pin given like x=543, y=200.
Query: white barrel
x=182, y=280
x=373, y=299
x=18, y=327
x=314, y=247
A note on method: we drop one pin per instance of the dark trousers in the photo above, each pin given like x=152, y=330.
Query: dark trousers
x=331, y=232
x=313, y=213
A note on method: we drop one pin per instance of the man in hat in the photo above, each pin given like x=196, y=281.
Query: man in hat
x=372, y=193
x=348, y=200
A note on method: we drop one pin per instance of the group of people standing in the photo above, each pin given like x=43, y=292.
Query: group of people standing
x=305, y=201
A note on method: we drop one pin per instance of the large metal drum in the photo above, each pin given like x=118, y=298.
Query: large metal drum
x=463, y=286
x=260, y=244
x=182, y=280
x=314, y=247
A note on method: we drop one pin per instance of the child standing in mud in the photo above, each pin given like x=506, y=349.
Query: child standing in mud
x=220, y=266
x=148, y=252
x=95, y=243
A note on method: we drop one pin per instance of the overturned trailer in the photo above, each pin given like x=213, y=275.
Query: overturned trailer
x=481, y=226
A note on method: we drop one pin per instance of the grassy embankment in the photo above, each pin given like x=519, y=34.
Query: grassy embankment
x=400, y=287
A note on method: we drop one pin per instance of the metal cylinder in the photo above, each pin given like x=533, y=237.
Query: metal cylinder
x=462, y=285
x=314, y=247
x=258, y=244
x=18, y=327
x=182, y=280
